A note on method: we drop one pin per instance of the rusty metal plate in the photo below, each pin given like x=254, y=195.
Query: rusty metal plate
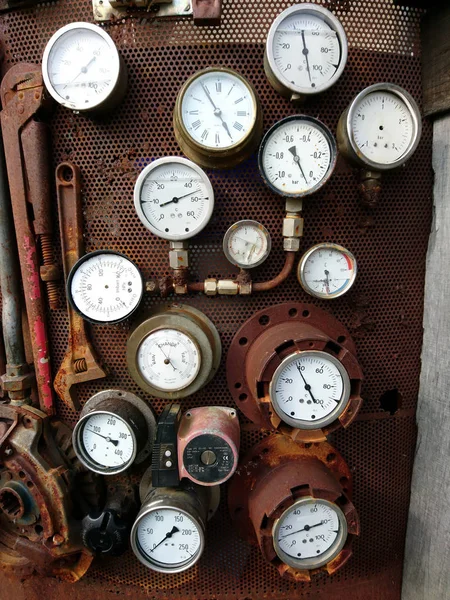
x=383, y=312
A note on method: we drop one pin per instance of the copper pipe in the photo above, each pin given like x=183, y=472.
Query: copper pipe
x=263, y=286
x=199, y=286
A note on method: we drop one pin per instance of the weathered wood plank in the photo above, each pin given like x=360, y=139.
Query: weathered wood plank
x=436, y=60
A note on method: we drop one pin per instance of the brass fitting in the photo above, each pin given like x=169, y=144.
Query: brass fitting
x=292, y=226
x=210, y=287
x=227, y=287
x=291, y=244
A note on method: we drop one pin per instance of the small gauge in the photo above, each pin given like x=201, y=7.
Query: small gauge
x=327, y=271
x=310, y=533
x=217, y=118
x=174, y=198
x=297, y=156
x=381, y=128
x=82, y=68
x=105, y=287
x=116, y=429
x=247, y=244
x=306, y=51
x=309, y=389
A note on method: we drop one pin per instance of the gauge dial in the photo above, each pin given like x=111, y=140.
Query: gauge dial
x=309, y=389
x=327, y=271
x=247, y=244
x=169, y=360
x=306, y=50
x=107, y=441
x=297, y=156
x=105, y=287
x=174, y=198
x=82, y=68
x=168, y=540
x=309, y=533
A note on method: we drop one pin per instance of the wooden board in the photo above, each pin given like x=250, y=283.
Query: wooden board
x=436, y=60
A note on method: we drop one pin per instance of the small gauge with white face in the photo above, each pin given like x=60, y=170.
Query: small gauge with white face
x=297, y=156
x=306, y=51
x=82, y=68
x=310, y=533
x=247, y=244
x=327, y=271
x=105, y=287
x=174, y=198
x=381, y=128
x=309, y=389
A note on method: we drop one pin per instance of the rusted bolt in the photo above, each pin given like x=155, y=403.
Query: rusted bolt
x=58, y=539
x=20, y=109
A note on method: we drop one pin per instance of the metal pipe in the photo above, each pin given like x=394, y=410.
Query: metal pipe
x=282, y=275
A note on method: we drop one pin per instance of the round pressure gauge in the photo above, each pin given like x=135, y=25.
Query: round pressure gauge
x=381, y=128
x=82, y=68
x=174, y=198
x=116, y=429
x=217, y=118
x=310, y=533
x=297, y=156
x=174, y=352
x=327, y=271
x=247, y=244
x=306, y=51
x=105, y=287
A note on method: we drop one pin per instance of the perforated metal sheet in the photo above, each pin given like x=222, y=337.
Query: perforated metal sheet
x=383, y=313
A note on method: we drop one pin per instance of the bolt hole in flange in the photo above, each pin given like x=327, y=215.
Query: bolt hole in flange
x=293, y=312
x=11, y=503
x=391, y=401
x=264, y=320
x=243, y=341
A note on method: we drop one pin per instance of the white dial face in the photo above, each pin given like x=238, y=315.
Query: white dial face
x=382, y=127
x=107, y=440
x=82, y=67
x=168, y=359
x=174, y=199
x=218, y=110
x=308, y=388
x=306, y=51
x=247, y=244
x=106, y=287
x=296, y=156
x=328, y=271
x=308, y=531
x=168, y=538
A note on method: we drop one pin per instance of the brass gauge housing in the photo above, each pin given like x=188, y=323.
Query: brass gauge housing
x=217, y=118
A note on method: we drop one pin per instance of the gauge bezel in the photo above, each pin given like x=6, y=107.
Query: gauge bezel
x=328, y=555
x=413, y=108
x=331, y=143
x=330, y=417
x=304, y=260
x=79, y=264
x=238, y=225
x=140, y=184
x=330, y=19
x=115, y=57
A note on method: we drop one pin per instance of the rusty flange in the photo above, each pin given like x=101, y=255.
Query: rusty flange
x=265, y=340
x=272, y=476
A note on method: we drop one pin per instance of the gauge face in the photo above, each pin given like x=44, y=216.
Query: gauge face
x=306, y=49
x=218, y=109
x=327, y=271
x=309, y=533
x=81, y=66
x=309, y=389
x=168, y=359
x=107, y=442
x=174, y=198
x=247, y=244
x=168, y=539
x=105, y=287
x=297, y=156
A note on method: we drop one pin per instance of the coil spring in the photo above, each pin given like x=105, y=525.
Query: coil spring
x=47, y=259
x=80, y=365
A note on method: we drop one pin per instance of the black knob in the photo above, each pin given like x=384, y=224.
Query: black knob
x=106, y=532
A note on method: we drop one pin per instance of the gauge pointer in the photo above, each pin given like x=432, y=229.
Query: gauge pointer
x=217, y=111
x=167, y=360
x=83, y=70
x=293, y=151
x=175, y=198
x=307, y=386
x=305, y=51
x=327, y=281
x=305, y=528
x=108, y=439
x=169, y=535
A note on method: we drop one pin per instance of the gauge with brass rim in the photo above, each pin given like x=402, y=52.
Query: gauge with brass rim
x=247, y=244
x=217, y=118
x=327, y=271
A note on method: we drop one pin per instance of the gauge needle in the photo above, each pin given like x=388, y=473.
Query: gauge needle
x=217, y=111
x=307, y=386
x=252, y=249
x=168, y=535
x=327, y=281
x=108, y=439
x=175, y=198
x=293, y=151
x=305, y=51
x=167, y=359
x=305, y=528
x=83, y=70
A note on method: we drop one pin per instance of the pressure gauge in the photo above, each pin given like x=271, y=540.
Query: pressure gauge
x=217, y=118
x=174, y=352
x=247, y=244
x=174, y=198
x=297, y=156
x=105, y=287
x=306, y=51
x=116, y=429
x=327, y=271
x=82, y=68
